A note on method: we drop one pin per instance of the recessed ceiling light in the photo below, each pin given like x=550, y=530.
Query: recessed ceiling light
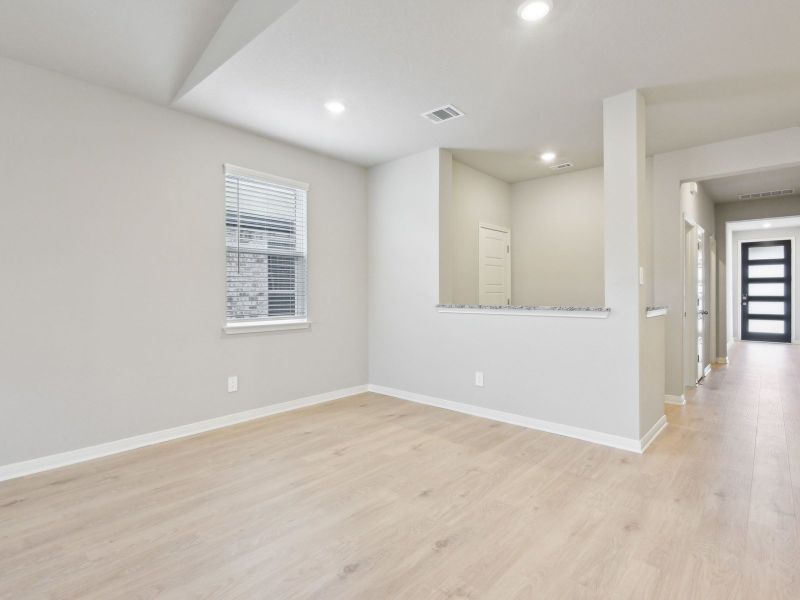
x=767, y=225
x=534, y=10
x=335, y=107
x=548, y=157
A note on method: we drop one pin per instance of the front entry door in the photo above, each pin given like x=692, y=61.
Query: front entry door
x=767, y=291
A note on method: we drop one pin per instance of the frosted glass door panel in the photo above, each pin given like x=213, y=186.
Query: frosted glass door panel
x=767, y=308
x=756, y=326
x=763, y=271
x=766, y=299
x=766, y=289
x=766, y=253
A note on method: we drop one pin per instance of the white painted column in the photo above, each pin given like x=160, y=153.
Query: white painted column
x=624, y=182
x=628, y=244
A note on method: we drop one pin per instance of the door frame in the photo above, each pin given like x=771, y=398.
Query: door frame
x=713, y=279
x=689, y=269
x=736, y=291
x=689, y=329
x=507, y=231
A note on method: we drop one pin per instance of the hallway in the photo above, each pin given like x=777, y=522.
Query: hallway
x=739, y=436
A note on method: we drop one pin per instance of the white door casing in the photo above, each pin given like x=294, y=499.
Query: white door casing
x=690, y=330
x=494, y=265
x=701, y=289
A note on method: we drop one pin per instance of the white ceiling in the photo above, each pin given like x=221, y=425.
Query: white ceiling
x=728, y=189
x=710, y=70
x=143, y=47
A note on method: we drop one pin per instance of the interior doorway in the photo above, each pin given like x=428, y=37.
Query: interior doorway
x=701, y=305
x=697, y=304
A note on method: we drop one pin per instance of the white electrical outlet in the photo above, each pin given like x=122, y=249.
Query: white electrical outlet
x=479, y=378
x=233, y=383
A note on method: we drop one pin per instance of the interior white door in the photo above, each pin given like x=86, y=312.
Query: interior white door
x=711, y=354
x=690, y=320
x=494, y=265
x=702, y=311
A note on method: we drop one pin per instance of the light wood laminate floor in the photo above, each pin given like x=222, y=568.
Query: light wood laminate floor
x=375, y=498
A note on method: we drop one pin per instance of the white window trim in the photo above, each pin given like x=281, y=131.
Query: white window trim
x=235, y=328
x=244, y=172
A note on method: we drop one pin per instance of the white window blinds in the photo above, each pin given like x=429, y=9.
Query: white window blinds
x=265, y=238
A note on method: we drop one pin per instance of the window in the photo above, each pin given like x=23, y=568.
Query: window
x=265, y=243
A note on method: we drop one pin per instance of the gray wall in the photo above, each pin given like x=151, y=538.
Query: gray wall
x=113, y=257
x=529, y=362
x=477, y=198
x=727, y=212
x=557, y=240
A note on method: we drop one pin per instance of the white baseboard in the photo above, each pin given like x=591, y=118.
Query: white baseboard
x=677, y=400
x=72, y=457
x=654, y=432
x=54, y=461
x=722, y=360
x=707, y=370
x=587, y=435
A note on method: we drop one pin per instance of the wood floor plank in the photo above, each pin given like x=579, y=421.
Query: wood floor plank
x=372, y=497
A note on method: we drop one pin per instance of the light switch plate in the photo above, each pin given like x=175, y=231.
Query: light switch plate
x=233, y=384
x=479, y=378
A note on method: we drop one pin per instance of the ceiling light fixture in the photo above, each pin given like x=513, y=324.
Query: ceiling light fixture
x=767, y=225
x=534, y=10
x=548, y=157
x=335, y=107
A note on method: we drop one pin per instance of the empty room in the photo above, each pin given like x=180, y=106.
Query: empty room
x=359, y=299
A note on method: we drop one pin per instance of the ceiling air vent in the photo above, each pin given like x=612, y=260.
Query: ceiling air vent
x=771, y=194
x=443, y=113
x=562, y=166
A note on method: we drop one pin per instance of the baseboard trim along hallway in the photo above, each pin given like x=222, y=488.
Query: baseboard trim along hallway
x=63, y=459
x=676, y=400
x=587, y=435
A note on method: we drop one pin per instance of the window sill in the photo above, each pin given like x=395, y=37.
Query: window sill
x=264, y=326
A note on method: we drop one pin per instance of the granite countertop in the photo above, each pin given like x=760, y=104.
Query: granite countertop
x=523, y=308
